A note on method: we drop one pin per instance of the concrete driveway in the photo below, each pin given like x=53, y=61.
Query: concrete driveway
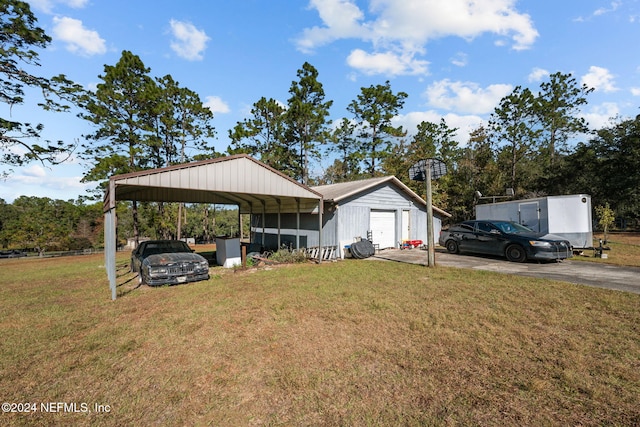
x=580, y=272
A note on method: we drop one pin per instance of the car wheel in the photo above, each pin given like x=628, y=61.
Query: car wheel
x=140, y=279
x=452, y=247
x=515, y=253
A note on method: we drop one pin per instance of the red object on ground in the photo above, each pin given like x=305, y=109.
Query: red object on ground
x=411, y=243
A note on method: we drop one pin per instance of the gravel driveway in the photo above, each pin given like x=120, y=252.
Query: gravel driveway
x=580, y=272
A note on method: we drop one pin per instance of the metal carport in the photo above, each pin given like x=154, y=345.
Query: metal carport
x=235, y=180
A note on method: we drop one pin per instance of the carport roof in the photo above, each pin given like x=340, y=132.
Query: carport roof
x=237, y=180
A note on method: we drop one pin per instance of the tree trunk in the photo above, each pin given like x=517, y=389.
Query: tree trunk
x=514, y=160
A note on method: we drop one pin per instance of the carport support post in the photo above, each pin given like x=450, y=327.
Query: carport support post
x=110, y=236
x=431, y=253
x=110, y=248
x=263, y=221
x=279, y=225
x=320, y=208
x=297, y=223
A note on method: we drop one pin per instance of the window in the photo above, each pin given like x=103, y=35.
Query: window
x=485, y=226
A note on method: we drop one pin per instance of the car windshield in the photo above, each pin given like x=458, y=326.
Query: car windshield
x=164, y=247
x=512, y=227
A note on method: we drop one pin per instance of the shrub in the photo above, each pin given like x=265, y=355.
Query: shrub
x=289, y=256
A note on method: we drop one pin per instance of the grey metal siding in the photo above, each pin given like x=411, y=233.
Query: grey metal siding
x=383, y=198
x=354, y=222
x=349, y=220
x=355, y=211
x=329, y=226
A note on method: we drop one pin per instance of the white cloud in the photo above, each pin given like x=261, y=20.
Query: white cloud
x=41, y=5
x=466, y=97
x=604, y=10
x=388, y=63
x=538, y=74
x=406, y=26
x=78, y=39
x=35, y=171
x=600, y=116
x=37, y=181
x=216, y=104
x=92, y=86
x=342, y=19
x=423, y=20
x=460, y=59
x=635, y=91
x=189, y=42
x=76, y=4
x=464, y=123
x=47, y=6
x=600, y=79
x=599, y=12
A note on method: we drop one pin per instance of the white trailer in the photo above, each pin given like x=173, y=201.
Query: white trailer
x=566, y=216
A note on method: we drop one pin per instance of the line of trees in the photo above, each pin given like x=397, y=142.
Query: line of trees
x=44, y=225
x=141, y=122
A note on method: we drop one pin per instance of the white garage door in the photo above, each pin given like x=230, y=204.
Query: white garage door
x=383, y=228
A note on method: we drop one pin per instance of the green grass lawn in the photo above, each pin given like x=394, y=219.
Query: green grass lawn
x=624, y=249
x=345, y=343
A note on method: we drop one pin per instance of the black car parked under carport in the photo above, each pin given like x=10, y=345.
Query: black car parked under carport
x=168, y=262
x=504, y=238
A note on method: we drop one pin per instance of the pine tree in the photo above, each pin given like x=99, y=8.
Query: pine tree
x=306, y=119
x=373, y=111
x=19, y=37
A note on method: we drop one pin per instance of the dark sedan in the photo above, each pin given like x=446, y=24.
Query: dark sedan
x=168, y=262
x=504, y=238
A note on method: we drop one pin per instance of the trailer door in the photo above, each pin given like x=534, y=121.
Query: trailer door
x=529, y=215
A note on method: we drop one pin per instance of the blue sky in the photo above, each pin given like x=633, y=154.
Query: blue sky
x=455, y=59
